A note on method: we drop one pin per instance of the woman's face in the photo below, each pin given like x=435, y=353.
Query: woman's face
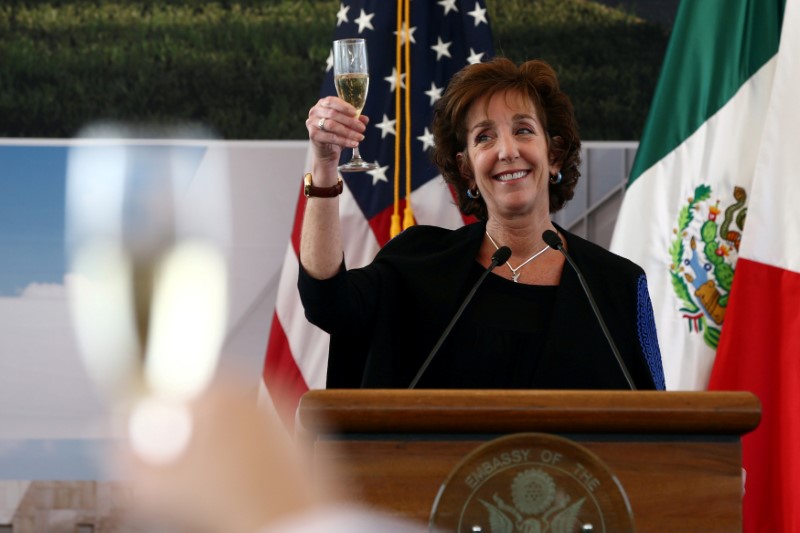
x=507, y=156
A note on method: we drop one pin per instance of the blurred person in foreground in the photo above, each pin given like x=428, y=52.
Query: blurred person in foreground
x=241, y=472
x=506, y=140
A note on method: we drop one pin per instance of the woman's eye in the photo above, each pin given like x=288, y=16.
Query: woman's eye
x=482, y=137
x=525, y=130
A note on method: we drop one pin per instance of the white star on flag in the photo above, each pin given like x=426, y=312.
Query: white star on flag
x=365, y=21
x=392, y=79
x=379, y=174
x=403, y=34
x=329, y=62
x=434, y=93
x=386, y=126
x=441, y=49
x=341, y=15
x=297, y=352
x=448, y=5
x=427, y=140
x=478, y=14
x=474, y=57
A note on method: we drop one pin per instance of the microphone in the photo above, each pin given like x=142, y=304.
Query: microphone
x=552, y=239
x=500, y=256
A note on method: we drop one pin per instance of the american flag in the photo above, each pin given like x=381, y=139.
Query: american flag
x=445, y=35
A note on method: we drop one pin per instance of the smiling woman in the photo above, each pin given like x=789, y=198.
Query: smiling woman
x=532, y=92
x=505, y=138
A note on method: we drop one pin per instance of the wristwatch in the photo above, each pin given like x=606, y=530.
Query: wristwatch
x=321, y=192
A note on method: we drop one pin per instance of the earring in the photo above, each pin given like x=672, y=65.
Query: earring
x=473, y=195
x=555, y=180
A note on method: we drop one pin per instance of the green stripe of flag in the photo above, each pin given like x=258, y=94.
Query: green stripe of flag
x=726, y=42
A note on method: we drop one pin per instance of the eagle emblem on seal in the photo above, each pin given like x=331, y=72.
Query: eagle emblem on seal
x=539, y=506
x=703, y=255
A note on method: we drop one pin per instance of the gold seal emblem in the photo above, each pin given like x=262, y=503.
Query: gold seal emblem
x=531, y=483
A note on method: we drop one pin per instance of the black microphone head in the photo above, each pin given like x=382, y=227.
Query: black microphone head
x=552, y=239
x=501, y=255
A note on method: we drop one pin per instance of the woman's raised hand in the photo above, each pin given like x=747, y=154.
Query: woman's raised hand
x=332, y=125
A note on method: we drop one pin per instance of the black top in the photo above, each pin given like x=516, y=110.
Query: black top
x=498, y=340
x=385, y=318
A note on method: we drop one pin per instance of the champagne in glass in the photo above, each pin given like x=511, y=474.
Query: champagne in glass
x=351, y=77
x=352, y=88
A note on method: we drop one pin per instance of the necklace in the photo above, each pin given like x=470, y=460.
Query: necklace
x=515, y=271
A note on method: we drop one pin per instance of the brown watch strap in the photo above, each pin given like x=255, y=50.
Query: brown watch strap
x=321, y=192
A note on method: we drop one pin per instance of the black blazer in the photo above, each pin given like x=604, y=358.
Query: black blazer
x=385, y=318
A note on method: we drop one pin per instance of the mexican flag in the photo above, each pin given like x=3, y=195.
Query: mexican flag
x=684, y=211
x=712, y=213
x=760, y=346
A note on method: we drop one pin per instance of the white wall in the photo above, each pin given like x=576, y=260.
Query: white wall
x=48, y=406
x=50, y=414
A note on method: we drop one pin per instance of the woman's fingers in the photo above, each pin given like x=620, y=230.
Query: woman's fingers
x=331, y=106
x=331, y=131
x=334, y=121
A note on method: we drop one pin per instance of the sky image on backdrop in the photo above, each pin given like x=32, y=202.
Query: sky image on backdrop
x=32, y=186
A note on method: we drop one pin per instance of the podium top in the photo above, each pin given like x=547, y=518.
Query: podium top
x=503, y=411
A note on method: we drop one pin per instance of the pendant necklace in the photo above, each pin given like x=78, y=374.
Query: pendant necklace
x=515, y=271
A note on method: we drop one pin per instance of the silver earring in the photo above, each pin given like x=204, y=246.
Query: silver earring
x=555, y=180
x=473, y=195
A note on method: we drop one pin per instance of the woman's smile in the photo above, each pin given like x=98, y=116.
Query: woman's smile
x=512, y=175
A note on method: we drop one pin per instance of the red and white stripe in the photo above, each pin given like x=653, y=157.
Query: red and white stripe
x=297, y=352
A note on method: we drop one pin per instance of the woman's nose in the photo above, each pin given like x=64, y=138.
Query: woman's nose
x=507, y=148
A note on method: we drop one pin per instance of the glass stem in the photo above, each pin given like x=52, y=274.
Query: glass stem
x=356, y=153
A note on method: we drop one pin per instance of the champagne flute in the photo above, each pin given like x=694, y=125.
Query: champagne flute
x=148, y=294
x=351, y=77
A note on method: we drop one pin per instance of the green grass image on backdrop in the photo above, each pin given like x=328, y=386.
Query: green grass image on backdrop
x=251, y=69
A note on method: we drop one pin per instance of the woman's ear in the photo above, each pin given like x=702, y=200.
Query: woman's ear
x=464, y=166
x=558, y=150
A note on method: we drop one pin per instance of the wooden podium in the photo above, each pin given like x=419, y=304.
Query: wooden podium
x=676, y=454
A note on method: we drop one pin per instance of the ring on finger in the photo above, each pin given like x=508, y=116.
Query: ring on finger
x=321, y=124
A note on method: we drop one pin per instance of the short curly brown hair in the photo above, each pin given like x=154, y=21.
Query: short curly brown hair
x=535, y=79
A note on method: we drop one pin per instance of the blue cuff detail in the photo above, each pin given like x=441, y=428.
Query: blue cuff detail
x=648, y=339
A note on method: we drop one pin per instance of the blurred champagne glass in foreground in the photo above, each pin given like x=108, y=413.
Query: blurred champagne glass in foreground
x=147, y=232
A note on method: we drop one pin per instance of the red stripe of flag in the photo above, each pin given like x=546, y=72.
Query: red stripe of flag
x=281, y=375
x=760, y=352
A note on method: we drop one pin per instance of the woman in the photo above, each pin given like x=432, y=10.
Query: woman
x=506, y=139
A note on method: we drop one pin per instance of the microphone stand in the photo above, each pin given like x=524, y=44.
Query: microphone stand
x=500, y=256
x=554, y=241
